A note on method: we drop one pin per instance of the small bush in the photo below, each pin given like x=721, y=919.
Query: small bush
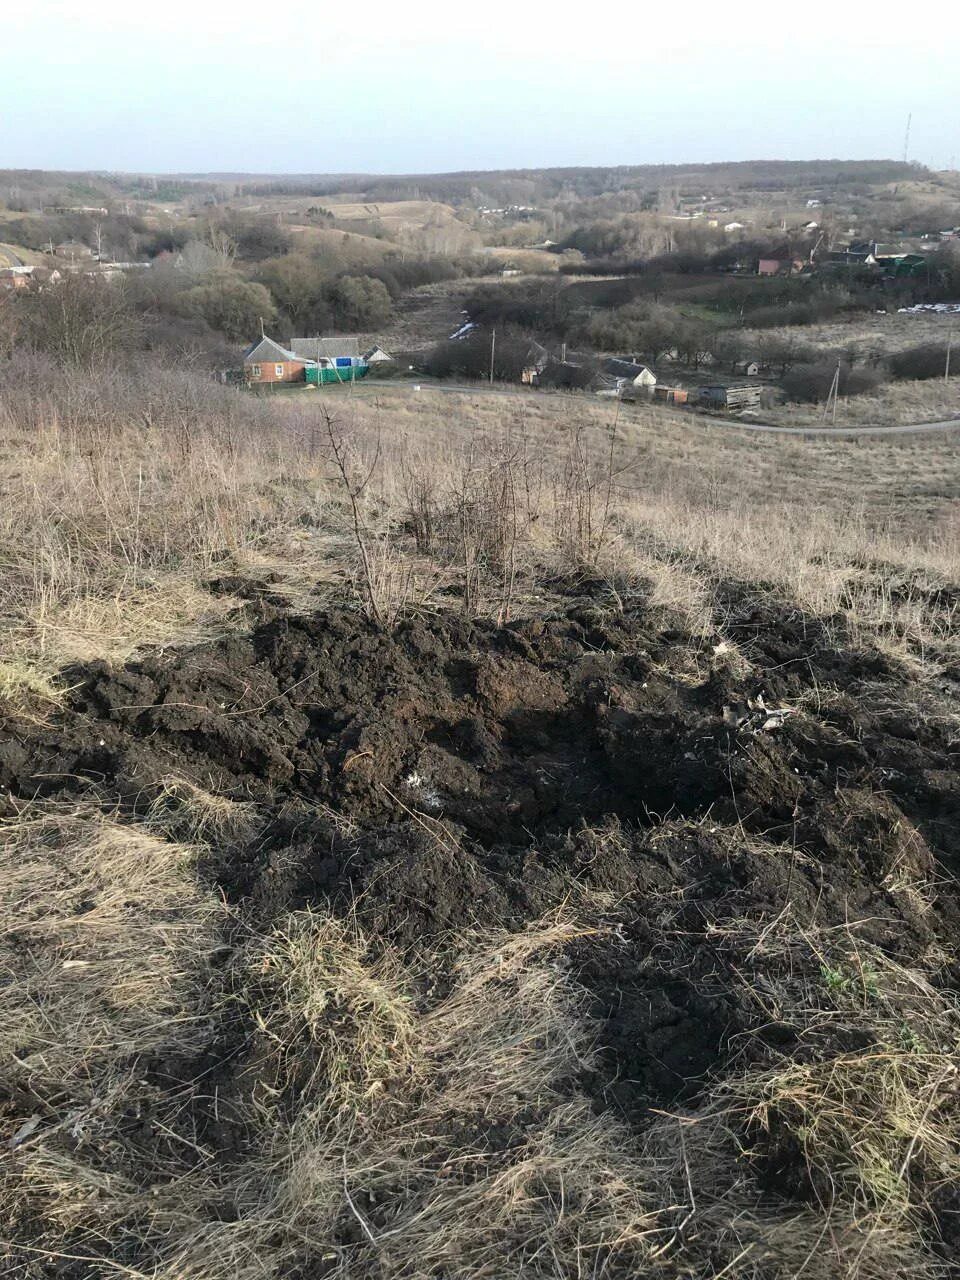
x=811, y=383
x=927, y=361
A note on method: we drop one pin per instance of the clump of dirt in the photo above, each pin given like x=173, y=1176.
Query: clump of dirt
x=508, y=734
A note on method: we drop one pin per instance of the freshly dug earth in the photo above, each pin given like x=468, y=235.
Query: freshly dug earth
x=450, y=775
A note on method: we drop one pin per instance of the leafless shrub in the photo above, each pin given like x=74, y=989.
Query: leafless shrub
x=583, y=500
x=389, y=583
x=421, y=490
x=476, y=514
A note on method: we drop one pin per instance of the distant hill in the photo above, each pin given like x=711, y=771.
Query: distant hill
x=29, y=188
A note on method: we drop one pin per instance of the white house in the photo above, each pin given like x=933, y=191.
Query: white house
x=630, y=375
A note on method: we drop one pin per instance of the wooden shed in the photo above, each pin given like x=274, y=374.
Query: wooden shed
x=671, y=395
x=721, y=397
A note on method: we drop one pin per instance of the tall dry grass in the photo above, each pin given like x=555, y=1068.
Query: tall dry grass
x=384, y=1133
x=125, y=495
x=121, y=495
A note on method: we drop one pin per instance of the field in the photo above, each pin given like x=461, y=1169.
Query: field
x=458, y=836
x=534, y=261
x=347, y=247
x=881, y=333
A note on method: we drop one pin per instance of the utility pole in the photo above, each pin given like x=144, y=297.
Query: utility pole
x=946, y=365
x=836, y=392
x=493, y=347
x=833, y=395
x=906, y=138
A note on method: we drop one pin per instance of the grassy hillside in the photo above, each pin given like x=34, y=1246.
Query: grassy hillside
x=446, y=836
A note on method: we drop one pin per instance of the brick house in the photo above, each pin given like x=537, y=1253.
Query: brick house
x=266, y=361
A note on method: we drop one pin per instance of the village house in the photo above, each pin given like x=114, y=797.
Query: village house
x=12, y=278
x=854, y=254
x=747, y=368
x=535, y=361
x=377, y=355
x=781, y=263
x=884, y=254
x=76, y=208
x=632, y=378
x=315, y=361
x=892, y=258
x=334, y=359
x=73, y=251
x=340, y=350
x=41, y=276
x=265, y=361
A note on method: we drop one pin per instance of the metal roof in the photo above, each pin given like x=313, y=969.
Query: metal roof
x=265, y=350
x=626, y=368
x=319, y=348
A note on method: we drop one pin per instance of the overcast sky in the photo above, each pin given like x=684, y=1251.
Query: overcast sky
x=427, y=86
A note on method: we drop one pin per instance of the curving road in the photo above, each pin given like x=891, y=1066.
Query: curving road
x=725, y=424
x=15, y=259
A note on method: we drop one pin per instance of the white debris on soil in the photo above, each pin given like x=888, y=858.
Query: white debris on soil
x=428, y=795
x=462, y=331
x=755, y=716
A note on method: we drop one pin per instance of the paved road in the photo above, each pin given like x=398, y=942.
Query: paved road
x=724, y=424
x=7, y=252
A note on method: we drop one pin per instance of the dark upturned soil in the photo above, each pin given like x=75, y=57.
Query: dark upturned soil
x=482, y=770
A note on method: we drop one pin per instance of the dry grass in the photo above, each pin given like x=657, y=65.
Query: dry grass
x=398, y=1142
x=860, y=1139
x=25, y=690
x=883, y=334
x=127, y=505
x=399, y=1132
x=388, y=1133
x=183, y=811
x=892, y=404
x=105, y=934
x=110, y=533
x=107, y=939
